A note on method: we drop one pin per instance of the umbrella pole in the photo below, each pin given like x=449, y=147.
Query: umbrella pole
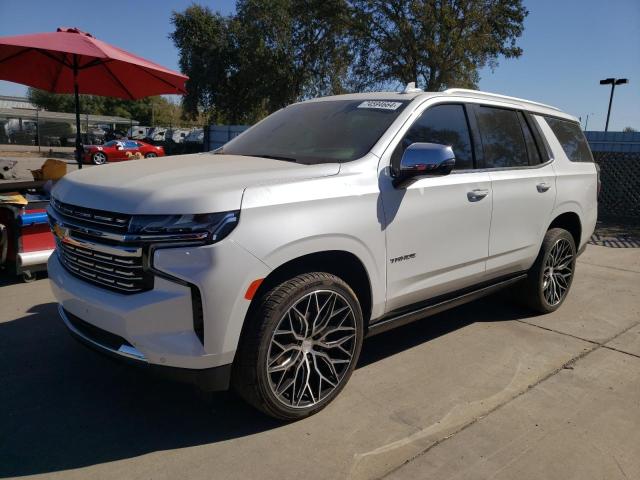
x=77, y=96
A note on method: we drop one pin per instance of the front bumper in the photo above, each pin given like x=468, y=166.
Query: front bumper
x=208, y=379
x=159, y=322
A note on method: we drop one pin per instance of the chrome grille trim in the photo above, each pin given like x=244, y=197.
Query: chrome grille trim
x=116, y=221
x=124, y=274
x=96, y=246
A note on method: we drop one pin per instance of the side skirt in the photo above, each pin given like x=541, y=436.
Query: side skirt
x=394, y=320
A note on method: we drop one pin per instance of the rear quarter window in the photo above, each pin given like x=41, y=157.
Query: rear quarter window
x=571, y=139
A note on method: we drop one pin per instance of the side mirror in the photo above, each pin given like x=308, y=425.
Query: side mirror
x=424, y=160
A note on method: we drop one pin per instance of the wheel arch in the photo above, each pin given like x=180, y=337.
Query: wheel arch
x=341, y=263
x=569, y=221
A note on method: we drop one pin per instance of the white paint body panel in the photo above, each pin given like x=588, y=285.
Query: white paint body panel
x=520, y=217
x=288, y=210
x=576, y=186
x=448, y=233
x=198, y=183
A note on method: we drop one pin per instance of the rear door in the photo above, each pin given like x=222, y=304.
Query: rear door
x=523, y=185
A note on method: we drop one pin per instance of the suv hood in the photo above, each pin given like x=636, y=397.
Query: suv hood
x=199, y=183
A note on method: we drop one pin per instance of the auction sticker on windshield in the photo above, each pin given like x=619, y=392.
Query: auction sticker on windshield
x=380, y=105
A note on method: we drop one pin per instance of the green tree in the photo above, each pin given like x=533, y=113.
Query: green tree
x=156, y=110
x=206, y=41
x=273, y=52
x=629, y=129
x=435, y=43
x=295, y=49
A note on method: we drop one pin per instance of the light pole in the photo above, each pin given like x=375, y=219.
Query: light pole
x=586, y=123
x=613, y=82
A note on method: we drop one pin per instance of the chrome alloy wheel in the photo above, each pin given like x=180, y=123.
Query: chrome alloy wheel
x=558, y=269
x=99, y=158
x=311, y=349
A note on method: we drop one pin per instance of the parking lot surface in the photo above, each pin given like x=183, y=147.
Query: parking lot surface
x=483, y=391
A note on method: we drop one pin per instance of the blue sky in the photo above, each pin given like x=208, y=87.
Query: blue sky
x=569, y=45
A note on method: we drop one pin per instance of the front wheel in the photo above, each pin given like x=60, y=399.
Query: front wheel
x=550, y=278
x=300, y=346
x=150, y=155
x=99, y=158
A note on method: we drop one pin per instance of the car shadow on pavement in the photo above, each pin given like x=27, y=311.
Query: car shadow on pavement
x=495, y=308
x=63, y=407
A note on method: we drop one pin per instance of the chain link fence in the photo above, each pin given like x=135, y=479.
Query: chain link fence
x=620, y=193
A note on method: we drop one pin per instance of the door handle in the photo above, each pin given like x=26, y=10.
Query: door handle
x=543, y=187
x=477, y=194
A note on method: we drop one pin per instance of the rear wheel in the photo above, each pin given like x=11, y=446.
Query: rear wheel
x=99, y=158
x=550, y=278
x=300, y=347
x=28, y=276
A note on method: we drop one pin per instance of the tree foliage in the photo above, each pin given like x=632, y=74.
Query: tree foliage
x=148, y=111
x=274, y=52
x=269, y=54
x=435, y=43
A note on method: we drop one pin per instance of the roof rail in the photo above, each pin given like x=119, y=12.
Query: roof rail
x=451, y=91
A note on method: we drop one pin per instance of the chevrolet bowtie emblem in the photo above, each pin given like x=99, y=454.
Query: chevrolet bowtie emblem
x=60, y=232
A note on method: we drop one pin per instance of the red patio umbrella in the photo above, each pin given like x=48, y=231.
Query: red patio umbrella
x=72, y=61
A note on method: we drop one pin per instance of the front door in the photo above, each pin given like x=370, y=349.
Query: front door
x=437, y=228
x=117, y=152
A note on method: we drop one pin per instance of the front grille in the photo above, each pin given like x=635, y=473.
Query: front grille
x=110, y=221
x=99, y=263
x=124, y=274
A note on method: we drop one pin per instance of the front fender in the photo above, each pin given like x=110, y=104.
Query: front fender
x=334, y=242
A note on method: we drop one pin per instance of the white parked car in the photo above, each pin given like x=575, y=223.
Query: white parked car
x=156, y=134
x=195, y=136
x=176, y=135
x=264, y=266
x=138, y=133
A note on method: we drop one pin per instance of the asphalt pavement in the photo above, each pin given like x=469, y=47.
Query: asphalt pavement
x=483, y=391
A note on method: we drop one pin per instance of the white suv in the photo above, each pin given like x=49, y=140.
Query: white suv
x=264, y=265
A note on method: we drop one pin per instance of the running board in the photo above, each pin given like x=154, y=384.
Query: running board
x=423, y=312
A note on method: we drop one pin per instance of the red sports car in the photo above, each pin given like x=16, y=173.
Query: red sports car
x=119, y=150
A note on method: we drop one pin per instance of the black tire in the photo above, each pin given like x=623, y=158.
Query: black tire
x=99, y=158
x=28, y=276
x=251, y=379
x=150, y=155
x=533, y=291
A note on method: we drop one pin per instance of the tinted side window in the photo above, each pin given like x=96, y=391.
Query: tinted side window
x=502, y=138
x=532, y=148
x=443, y=124
x=571, y=138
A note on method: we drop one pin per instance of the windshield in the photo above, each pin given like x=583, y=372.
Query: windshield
x=318, y=132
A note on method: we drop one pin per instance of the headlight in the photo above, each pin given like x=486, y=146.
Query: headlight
x=204, y=227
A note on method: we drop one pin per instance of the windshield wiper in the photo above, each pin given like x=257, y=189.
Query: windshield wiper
x=276, y=157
